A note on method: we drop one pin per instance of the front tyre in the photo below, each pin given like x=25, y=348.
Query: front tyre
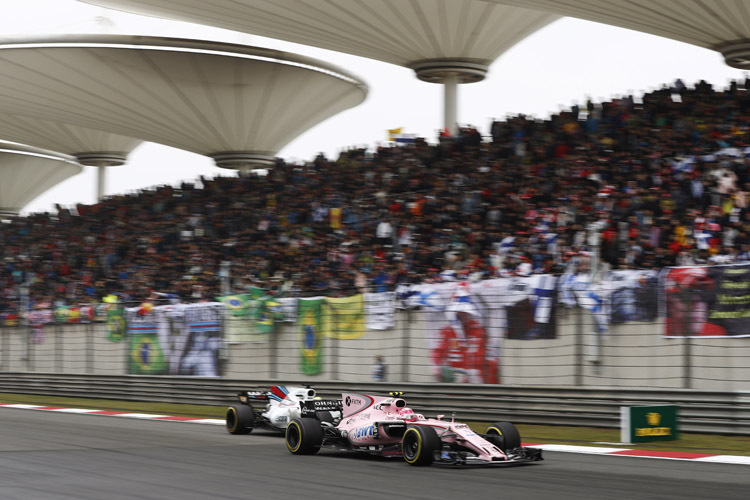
x=504, y=435
x=304, y=436
x=418, y=445
x=240, y=419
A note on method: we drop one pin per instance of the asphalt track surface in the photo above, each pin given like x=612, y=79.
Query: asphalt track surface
x=54, y=456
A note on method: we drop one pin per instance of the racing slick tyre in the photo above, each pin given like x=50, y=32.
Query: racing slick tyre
x=240, y=419
x=419, y=444
x=504, y=435
x=304, y=436
x=324, y=416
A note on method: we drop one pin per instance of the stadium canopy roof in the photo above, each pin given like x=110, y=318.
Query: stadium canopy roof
x=27, y=172
x=237, y=104
x=448, y=42
x=720, y=25
x=89, y=147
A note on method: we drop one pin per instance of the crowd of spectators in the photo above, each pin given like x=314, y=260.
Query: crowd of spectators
x=663, y=180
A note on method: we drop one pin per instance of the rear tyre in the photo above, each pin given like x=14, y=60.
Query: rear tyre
x=504, y=435
x=240, y=419
x=304, y=436
x=419, y=444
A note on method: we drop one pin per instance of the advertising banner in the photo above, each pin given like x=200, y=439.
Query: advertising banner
x=641, y=424
x=705, y=301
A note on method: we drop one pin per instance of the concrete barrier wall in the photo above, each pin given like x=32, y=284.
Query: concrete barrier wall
x=631, y=355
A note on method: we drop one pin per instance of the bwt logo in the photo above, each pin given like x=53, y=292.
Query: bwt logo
x=353, y=401
x=362, y=432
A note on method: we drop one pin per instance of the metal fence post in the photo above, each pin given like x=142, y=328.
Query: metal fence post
x=687, y=360
x=29, y=348
x=405, y=346
x=90, y=348
x=59, y=349
x=273, y=349
x=5, y=364
x=578, y=346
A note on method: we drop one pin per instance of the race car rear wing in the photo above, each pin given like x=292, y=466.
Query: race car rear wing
x=308, y=408
x=246, y=396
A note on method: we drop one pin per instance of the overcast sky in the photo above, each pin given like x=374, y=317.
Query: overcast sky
x=560, y=65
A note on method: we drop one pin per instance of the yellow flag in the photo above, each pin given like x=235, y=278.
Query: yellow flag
x=393, y=132
x=344, y=317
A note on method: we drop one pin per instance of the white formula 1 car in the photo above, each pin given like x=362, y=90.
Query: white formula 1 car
x=274, y=409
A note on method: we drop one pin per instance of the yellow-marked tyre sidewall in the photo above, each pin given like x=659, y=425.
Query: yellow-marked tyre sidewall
x=298, y=429
x=233, y=429
x=492, y=429
x=419, y=445
x=507, y=432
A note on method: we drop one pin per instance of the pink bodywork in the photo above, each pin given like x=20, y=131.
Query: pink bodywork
x=367, y=420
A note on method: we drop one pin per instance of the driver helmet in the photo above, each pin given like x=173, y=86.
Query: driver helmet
x=407, y=413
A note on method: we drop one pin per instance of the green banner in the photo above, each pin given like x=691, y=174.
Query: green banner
x=640, y=424
x=311, y=335
x=116, y=323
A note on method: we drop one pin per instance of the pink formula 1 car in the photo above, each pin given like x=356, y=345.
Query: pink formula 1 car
x=385, y=426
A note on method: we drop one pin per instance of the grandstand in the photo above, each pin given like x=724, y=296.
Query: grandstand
x=665, y=180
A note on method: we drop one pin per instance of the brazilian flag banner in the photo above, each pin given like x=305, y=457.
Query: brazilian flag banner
x=238, y=306
x=268, y=312
x=115, y=323
x=310, y=335
x=240, y=324
x=265, y=309
x=251, y=316
x=145, y=353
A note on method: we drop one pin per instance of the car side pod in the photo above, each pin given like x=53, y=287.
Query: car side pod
x=304, y=436
x=418, y=445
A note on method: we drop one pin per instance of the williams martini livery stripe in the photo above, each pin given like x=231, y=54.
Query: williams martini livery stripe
x=278, y=392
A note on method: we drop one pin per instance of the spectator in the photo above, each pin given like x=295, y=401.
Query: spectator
x=379, y=369
x=669, y=178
